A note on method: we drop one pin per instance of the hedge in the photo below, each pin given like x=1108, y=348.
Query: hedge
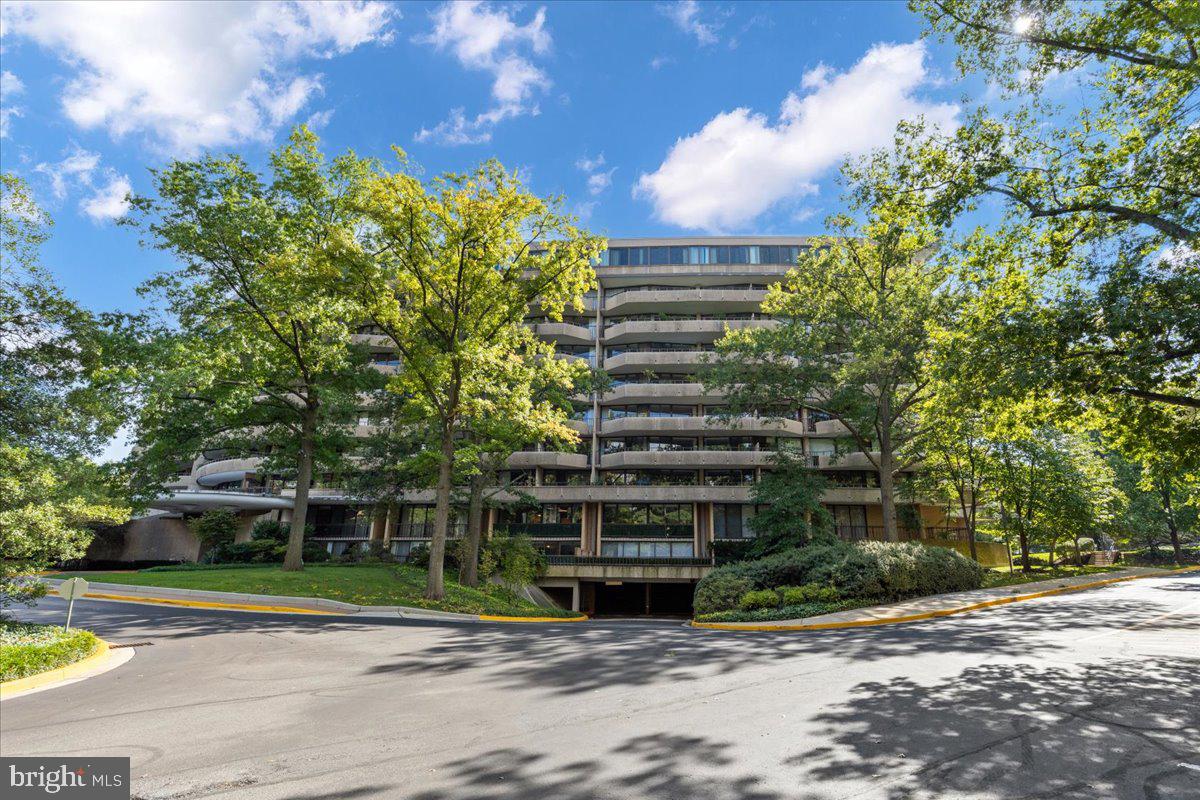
x=864, y=571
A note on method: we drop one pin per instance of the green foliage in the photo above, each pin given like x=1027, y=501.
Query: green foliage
x=512, y=559
x=49, y=507
x=728, y=551
x=257, y=355
x=447, y=274
x=790, y=511
x=215, y=527
x=825, y=572
x=808, y=593
x=756, y=599
x=719, y=591
x=27, y=649
x=263, y=551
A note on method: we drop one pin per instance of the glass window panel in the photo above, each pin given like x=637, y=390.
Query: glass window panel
x=659, y=255
x=679, y=255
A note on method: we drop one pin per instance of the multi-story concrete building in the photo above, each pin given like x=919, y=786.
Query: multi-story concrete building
x=631, y=518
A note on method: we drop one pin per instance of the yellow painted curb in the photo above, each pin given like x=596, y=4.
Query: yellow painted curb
x=946, y=612
x=55, y=675
x=495, y=618
x=203, y=604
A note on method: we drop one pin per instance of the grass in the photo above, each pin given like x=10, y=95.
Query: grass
x=1040, y=572
x=29, y=649
x=361, y=584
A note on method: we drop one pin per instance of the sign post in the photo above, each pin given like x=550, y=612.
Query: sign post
x=69, y=590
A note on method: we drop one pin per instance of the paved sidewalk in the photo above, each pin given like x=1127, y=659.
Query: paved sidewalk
x=938, y=605
x=231, y=601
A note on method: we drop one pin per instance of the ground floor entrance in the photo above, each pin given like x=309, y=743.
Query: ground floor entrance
x=631, y=598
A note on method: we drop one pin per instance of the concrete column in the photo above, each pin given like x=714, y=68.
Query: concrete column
x=378, y=523
x=575, y=597
x=245, y=522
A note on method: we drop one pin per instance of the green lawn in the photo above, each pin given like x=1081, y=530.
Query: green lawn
x=361, y=584
x=1001, y=577
x=27, y=649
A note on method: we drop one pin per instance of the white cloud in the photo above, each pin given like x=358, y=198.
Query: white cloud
x=600, y=181
x=741, y=163
x=80, y=170
x=686, y=16
x=588, y=164
x=658, y=62
x=193, y=75
x=487, y=39
x=108, y=202
x=10, y=87
x=76, y=168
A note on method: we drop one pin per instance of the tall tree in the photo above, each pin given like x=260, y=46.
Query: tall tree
x=856, y=316
x=259, y=355
x=449, y=274
x=63, y=393
x=1105, y=194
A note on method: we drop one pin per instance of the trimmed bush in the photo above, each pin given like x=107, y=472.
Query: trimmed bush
x=27, y=649
x=758, y=599
x=720, y=592
x=263, y=551
x=868, y=571
x=809, y=593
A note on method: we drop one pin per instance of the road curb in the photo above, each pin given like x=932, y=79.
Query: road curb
x=282, y=604
x=65, y=673
x=927, y=615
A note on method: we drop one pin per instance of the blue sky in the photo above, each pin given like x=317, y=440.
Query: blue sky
x=651, y=118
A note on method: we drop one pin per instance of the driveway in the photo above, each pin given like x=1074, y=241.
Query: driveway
x=1087, y=695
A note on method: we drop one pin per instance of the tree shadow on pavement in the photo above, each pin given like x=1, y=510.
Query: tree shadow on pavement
x=595, y=655
x=668, y=766
x=1116, y=730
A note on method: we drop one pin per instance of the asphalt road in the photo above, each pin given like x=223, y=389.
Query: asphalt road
x=1087, y=695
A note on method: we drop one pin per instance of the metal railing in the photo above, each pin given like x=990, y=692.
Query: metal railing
x=619, y=561
x=424, y=530
x=621, y=530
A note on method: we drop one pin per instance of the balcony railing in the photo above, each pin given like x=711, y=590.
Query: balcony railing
x=542, y=530
x=620, y=530
x=617, y=561
x=342, y=530
x=424, y=530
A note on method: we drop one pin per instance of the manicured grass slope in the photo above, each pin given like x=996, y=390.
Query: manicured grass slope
x=29, y=649
x=1001, y=577
x=363, y=584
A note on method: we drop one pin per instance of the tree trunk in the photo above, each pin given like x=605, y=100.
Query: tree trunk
x=1164, y=491
x=434, y=585
x=1078, y=554
x=468, y=571
x=293, y=559
x=887, y=496
x=1023, y=537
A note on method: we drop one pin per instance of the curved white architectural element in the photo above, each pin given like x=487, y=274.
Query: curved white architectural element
x=194, y=502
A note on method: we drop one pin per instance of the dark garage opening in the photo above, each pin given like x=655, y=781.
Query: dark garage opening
x=559, y=594
x=629, y=599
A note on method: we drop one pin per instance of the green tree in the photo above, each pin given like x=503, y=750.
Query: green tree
x=1103, y=197
x=791, y=514
x=450, y=272
x=62, y=395
x=259, y=356
x=856, y=314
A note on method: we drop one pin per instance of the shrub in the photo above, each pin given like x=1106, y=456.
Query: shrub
x=215, y=527
x=808, y=593
x=756, y=599
x=513, y=559
x=1087, y=544
x=263, y=551
x=720, y=592
x=419, y=557
x=27, y=649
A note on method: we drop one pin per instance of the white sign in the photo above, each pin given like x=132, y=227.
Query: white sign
x=72, y=588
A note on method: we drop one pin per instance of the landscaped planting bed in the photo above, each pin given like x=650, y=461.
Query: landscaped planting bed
x=27, y=649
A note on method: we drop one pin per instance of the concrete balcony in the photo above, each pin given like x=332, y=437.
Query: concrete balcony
x=665, y=360
x=682, y=393
x=685, y=300
x=853, y=460
x=582, y=427
x=372, y=339
x=225, y=470
x=548, y=458
x=564, y=332
x=638, y=494
x=603, y=569
x=680, y=330
x=830, y=427
x=693, y=459
x=195, y=502
x=746, y=426
x=851, y=496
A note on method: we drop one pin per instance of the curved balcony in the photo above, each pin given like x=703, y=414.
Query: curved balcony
x=830, y=427
x=580, y=426
x=196, y=501
x=853, y=496
x=685, y=299
x=548, y=458
x=667, y=359
x=749, y=426
x=686, y=458
x=682, y=393
x=564, y=332
x=225, y=470
x=679, y=330
x=640, y=494
x=853, y=460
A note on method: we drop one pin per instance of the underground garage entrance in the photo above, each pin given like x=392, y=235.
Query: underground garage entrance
x=632, y=598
